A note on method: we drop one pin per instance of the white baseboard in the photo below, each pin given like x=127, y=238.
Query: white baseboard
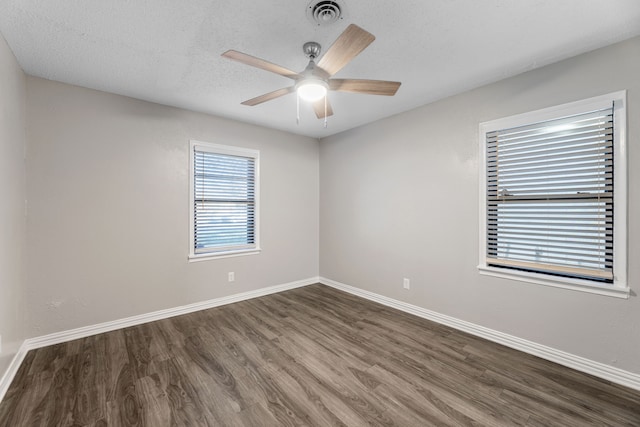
x=64, y=336
x=12, y=370
x=597, y=369
x=610, y=373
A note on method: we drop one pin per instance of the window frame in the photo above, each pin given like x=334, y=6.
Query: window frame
x=619, y=288
x=230, y=151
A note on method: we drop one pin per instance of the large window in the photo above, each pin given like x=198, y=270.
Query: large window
x=554, y=196
x=224, y=200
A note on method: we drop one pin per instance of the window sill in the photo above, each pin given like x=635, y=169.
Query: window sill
x=226, y=254
x=557, y=282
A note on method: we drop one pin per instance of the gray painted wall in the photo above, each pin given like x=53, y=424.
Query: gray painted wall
x=107, y=235
x=12, y=197
x=108, y=224
x=399, y=198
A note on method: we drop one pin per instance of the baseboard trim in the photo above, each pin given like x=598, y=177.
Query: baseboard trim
x=64, y=336
x=86, y=331
x=12, y=370
x=597, y=369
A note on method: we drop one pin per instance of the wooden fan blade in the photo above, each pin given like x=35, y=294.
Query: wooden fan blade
x=372, y=87
x=318, y=107
x=350, y=43
x=260, y=63
x=268, y=96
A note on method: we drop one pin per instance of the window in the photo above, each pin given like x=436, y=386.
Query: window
x=553, y=196
x=224, y=200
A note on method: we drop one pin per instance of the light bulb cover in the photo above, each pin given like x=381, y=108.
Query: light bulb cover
x=312, y=90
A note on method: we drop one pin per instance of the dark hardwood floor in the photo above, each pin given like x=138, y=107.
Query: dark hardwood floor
x=311, y=356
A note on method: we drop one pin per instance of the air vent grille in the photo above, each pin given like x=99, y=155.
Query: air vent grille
x=324, y=12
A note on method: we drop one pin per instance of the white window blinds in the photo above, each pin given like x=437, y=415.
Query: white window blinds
x=224, y=202
x=550, y=196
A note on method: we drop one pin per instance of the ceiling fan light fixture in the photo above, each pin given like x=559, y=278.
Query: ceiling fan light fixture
x=312, y=90
x=315, y=81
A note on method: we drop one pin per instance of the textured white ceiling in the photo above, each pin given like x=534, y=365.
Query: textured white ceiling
x=168, y=51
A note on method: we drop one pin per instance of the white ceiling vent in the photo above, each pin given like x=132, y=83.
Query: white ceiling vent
x=324, y=12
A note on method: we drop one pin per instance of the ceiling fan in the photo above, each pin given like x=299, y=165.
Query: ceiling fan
x=315, y=81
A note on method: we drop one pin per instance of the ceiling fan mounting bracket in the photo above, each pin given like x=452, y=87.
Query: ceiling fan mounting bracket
x=311, y=50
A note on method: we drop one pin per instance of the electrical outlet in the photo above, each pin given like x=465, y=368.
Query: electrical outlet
x=406, y=283
x=232, y=276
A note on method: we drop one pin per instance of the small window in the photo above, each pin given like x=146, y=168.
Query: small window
x=224, y=200
x=554, y=196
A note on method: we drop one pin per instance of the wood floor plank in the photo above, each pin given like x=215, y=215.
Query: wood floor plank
x=256, y=415
x=126, y=408
x=312, y=356
x=89, y=404
x=26, y=406
x=155, y=402
x=328, y=384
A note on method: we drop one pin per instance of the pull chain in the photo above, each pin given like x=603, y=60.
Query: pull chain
x=325, y=111
x=297, y=109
